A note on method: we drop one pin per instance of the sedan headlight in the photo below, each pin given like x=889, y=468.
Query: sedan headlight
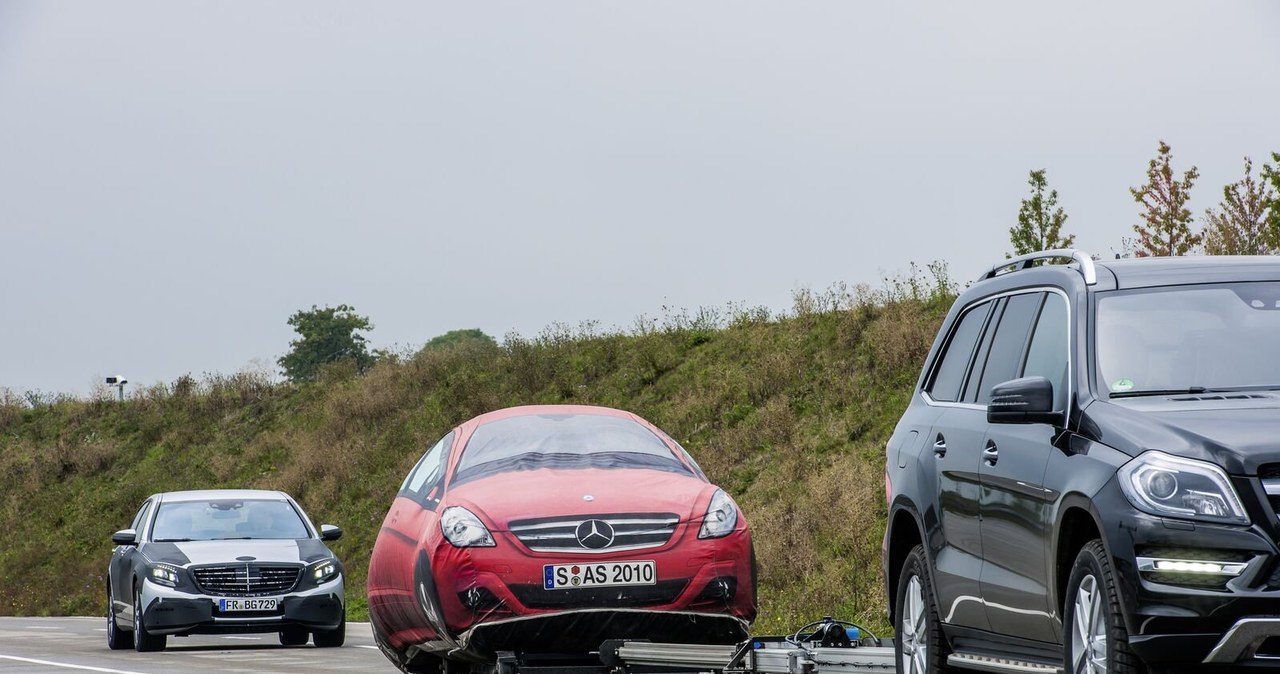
x=1170, y=486
x=721, y=517
x=163, y=574
x=464, y=529
x=323, y=571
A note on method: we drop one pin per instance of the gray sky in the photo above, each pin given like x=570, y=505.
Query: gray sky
x=177, y=178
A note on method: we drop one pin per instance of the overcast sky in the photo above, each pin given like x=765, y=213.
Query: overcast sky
x=177, y=178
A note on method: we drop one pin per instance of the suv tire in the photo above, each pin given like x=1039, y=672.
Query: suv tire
x=918, y=643
x=1096, y=641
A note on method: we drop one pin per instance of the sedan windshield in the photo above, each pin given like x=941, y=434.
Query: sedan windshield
x=1189, y=339
x=227, y=520
x=564, y=441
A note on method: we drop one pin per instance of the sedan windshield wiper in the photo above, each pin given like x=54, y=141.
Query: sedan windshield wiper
x=171, y=540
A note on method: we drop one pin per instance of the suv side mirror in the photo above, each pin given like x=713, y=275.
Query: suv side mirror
x=1028, y=400
x=125, y=537
x=328, y=532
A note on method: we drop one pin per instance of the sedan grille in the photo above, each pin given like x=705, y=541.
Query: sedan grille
x=596, y=534
x=246, y=580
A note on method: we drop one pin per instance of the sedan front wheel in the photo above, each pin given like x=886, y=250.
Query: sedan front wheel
x=144, y=641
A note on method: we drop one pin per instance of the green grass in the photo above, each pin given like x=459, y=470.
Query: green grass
x=789, y=413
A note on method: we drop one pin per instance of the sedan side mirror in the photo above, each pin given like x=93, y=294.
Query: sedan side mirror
x=125, y=537
x=328, y=532
x=1028, y=400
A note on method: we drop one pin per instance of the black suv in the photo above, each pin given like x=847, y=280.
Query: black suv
x=1087, y=478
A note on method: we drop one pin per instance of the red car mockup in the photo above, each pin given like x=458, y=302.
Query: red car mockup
x=551, y=529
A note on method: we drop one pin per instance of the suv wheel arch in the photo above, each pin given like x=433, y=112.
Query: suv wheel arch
x=904, y=533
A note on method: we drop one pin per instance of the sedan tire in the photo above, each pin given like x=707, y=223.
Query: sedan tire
x=332, y=638
x=144, y=641
x=294, y=636
x=116, y=641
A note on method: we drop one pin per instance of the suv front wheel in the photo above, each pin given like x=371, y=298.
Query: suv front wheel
x=1097, y=642
x=918, y=642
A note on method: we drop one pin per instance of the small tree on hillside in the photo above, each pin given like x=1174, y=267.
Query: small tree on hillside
x=1272, y=175
x=327, y=335
x=456, y=337
x=1040, y=220
x=1239, y=226
x=1166, y=228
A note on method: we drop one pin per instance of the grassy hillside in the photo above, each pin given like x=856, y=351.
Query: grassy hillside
x=788, y=413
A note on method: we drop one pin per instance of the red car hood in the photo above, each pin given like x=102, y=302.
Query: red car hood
x=550, y=493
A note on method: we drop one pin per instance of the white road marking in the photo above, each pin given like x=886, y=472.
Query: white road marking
x=245, y=638
x=42, y=627
x=364, y=646
x=67, y=666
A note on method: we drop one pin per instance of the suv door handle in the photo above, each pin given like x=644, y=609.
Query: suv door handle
x=991, y=454
x=940, y=447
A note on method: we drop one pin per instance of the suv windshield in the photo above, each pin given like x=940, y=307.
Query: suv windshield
x=563, y=441
x=225, y=520
x=1189, y=339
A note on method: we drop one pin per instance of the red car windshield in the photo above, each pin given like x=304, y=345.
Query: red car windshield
x=563, y=441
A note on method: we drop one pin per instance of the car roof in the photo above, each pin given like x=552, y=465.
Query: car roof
x=531, y=410
x=1148, y=272
x=222, y=495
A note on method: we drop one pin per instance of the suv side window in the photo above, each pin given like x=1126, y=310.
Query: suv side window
x=1004, y=361
x=1047, y=356
x=429, y=470
x=954, y=362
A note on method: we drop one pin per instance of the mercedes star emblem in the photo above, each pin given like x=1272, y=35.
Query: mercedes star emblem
x=595, y=534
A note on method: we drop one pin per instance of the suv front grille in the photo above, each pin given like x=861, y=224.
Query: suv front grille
x=596, y=534
x=1270, y=475
x=246, y=580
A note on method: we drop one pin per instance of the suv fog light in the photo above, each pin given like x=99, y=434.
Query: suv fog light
x=1149, y=564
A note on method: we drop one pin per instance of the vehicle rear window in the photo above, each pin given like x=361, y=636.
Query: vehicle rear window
x=955, y=362
x=563, y=441
x=227, y=520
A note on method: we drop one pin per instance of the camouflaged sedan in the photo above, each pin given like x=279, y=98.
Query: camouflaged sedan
x=224, y=562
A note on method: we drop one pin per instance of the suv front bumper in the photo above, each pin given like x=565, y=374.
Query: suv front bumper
x=1189, y=618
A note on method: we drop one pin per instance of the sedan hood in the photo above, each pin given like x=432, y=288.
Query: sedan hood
x=283, y=551
x=555, y=493
x=1236, y=431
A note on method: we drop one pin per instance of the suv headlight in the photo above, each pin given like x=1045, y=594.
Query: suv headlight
x=322, y=571
x=164, y=574
x=1170, y=486
x=464, y=529
x=721, y=517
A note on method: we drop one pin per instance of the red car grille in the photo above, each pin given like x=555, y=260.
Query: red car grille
x=596, y=533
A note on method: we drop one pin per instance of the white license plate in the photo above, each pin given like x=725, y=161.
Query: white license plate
x=248, y=604
x=602, y=574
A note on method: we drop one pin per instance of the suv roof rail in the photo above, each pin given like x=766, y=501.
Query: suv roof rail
x=1024, y=261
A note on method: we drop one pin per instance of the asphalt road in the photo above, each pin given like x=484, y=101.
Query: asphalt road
x=47, y=645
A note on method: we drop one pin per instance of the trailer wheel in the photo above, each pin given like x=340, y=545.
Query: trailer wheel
x=918, y=644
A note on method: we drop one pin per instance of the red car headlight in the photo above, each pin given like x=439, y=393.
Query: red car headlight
x=464, y=530
x=721, y=518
